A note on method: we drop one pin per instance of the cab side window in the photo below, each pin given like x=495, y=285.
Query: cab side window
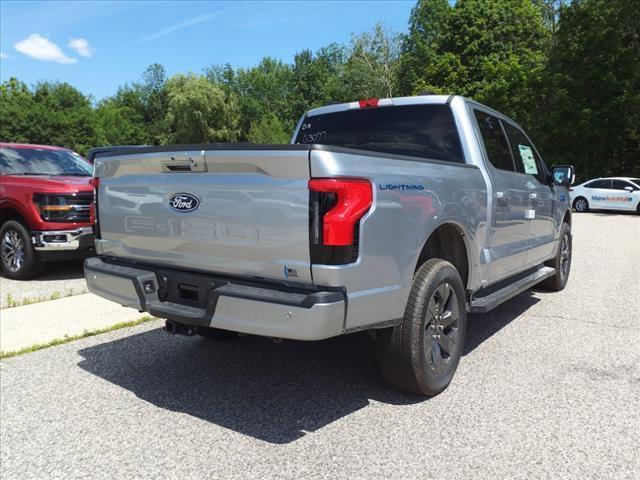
x=621, y=184
x=525, y=156
x=599, y=184
x=495, y=143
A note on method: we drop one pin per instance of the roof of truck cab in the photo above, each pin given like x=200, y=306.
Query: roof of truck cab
x=384, y=102
x=403, y=101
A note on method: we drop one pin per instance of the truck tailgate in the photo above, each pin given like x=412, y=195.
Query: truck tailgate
x=227, y=210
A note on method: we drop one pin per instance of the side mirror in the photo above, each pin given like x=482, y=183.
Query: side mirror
x=563, y=175
x=629, y=189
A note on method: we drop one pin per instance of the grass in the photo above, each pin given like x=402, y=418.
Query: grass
x=67, y=338
x=14, y=302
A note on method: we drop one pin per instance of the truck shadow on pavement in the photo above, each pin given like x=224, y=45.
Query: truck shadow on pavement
x=273, y=392
x=480, y=327
x=68, y=270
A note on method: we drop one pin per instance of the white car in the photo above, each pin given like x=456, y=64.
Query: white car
x=614, y=193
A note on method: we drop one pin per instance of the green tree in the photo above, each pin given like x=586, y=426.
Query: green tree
x=269, y=129
x=263, y=89
x=197, y=111
x=490, y=50
x=18, y=118
x=53, y=113
x=155, y=101
x=315, y=80
x=372, y=64
x=62, y=116
x=423, y=43
x=120, y=125
x=593, y=89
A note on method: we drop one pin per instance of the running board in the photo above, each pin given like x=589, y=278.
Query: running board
x=491, y=301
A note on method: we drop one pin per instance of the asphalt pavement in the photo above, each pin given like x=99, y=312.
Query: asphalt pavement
x=548, y=387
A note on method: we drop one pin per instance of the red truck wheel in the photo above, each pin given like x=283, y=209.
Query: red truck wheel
x=18, y=257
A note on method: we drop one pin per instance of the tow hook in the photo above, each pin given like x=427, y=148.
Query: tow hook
x=178, y=328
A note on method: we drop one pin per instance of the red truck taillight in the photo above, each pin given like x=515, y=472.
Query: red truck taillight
x=337, y=205
x=95, y=183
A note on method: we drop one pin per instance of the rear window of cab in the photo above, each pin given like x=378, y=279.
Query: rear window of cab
x=425, y=131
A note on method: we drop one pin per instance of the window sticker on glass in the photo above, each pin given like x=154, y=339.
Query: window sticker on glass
x=527, y=159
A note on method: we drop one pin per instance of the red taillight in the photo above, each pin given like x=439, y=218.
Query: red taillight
x=93, y=210
x=354, y=199
x=368, y=102
x=95, y=183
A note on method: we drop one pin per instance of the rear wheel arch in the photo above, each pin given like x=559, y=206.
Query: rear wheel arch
x=448, y=242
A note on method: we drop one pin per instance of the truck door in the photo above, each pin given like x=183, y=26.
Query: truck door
x=542, y=196
x=509, y=226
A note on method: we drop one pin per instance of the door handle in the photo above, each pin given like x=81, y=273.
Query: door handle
x=501, y=199
x=534, y=200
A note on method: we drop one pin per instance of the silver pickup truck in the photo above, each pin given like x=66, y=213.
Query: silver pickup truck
x=398, y=216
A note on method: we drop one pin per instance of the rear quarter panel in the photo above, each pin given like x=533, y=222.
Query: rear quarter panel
x=411, y=200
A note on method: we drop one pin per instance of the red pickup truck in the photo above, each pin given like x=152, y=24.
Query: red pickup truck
x=45, y=207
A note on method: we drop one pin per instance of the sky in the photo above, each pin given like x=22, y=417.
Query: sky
x=97, y=46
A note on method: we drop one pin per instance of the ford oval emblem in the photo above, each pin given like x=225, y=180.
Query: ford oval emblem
x=183, y=202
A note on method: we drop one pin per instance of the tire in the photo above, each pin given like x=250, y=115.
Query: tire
x=581, y=205
x=18, y=258
x=422, y=353
x=216, y=334
x=561, y=262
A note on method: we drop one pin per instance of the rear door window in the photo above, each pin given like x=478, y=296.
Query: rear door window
x=621, y=184
x=495, y=143
x=426, y=131
x=524, y=154
x=599, y=184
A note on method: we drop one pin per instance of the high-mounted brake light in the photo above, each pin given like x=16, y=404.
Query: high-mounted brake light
x=354, y=199
x=368, y=102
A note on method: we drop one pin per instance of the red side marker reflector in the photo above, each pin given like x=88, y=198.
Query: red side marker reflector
x=94, y=182
x=368, y=102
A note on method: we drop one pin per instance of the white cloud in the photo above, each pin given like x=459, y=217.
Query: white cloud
x=41, y=48
x=81, y=46
x=4, y=56
x=179, y=26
